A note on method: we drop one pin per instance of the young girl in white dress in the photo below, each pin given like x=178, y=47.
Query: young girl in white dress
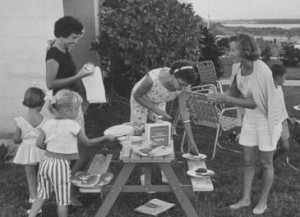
x=26, y=134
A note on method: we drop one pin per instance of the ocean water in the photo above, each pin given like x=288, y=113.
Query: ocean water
x=255, y=25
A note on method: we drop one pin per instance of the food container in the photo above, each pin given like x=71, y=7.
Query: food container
x=159, y=133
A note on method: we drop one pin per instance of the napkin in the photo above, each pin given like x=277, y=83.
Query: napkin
x=94, y=87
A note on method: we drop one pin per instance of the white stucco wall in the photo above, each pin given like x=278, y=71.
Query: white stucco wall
x=26, y=25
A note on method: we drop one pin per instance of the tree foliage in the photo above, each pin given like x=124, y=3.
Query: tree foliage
x=210, y=50
x=139, y=35
x=290, y=55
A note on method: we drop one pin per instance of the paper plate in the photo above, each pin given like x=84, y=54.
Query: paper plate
x=119, y=130
x=297, y=107
x=104, y=179
x=80, y=183
x=194, y=157
x=194, y=174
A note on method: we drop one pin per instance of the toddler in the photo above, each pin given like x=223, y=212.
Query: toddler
x=279, y=76
x=59, y=138
x=26, y=134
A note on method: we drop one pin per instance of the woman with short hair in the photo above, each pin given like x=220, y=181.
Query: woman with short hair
x=252, y=87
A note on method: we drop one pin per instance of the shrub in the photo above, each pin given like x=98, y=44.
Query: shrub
x=211, y=51
x=290, y=55
x=139, y=35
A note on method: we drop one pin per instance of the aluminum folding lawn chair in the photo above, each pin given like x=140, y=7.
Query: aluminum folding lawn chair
x=206, y=113
x=208, y=75
x=208, y=80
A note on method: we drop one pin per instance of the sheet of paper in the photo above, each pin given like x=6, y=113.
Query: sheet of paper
x=154, y=207
x=94, y=87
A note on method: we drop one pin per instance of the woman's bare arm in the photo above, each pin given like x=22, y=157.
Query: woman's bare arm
x=51, y=72
x=185, y=118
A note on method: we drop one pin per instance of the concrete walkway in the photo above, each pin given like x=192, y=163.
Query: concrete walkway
x=286, y=83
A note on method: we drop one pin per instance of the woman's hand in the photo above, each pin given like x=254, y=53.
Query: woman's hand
x=217, y=97
x=193, y=149
x=86, y=70
x=165, y=116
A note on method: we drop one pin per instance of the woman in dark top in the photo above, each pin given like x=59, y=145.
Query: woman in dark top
x=61, y=73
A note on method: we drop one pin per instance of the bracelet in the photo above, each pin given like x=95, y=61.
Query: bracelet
x=187, y=121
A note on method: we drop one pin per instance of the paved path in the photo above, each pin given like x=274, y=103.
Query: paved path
x=286, y=83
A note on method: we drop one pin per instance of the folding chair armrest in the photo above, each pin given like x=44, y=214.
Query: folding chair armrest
x=204, y=88
x=224, y=110
x=219, y=84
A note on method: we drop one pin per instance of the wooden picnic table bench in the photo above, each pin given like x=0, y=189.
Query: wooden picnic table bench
x=183, y=190
x=97, y=166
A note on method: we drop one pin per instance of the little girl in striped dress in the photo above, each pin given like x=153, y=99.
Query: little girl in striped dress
x=59, y=137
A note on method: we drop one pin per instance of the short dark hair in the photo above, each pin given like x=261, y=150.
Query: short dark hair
x=278, y=70
x=67, y=25
x=34, y=97
x=247, y=46
x=187, y=74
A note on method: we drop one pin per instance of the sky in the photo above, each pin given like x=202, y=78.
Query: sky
x=246, y=9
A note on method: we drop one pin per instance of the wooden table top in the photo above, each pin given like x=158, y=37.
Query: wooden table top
x=134, y=157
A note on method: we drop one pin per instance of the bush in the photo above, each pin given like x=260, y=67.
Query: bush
x=211, y=51
x=290, y=55
x=139, y=35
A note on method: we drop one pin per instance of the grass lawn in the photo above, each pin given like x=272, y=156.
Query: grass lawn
x=283, y=201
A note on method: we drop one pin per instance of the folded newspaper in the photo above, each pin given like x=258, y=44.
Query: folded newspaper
x=154, y=207
x=94, y=87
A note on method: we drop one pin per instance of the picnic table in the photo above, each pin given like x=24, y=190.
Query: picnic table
x=183, y=192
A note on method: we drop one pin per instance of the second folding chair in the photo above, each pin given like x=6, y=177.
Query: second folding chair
x=208, y=114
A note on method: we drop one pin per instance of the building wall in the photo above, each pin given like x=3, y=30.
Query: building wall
x=84, y=11
x=26, y=27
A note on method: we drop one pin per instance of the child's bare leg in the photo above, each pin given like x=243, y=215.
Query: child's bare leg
x=62, y=211
x=284, y=148
x=36, y=206
x=31, y=176
x=78, y=166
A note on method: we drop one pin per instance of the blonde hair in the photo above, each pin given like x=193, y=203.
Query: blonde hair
x=64, y=99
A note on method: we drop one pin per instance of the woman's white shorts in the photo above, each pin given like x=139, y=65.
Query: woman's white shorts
x=257, y=134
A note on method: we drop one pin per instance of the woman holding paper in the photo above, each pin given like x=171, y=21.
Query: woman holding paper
x=61, y=73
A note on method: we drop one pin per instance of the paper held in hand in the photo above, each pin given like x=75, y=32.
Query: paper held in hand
x=94, y=87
